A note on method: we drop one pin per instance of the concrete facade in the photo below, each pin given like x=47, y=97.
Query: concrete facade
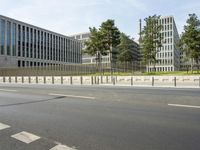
x=169, y=55
x=25, y=45
x=87, y=59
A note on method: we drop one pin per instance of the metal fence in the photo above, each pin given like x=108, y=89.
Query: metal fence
x=74, y=69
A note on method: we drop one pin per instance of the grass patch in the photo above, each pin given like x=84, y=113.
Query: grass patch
x=173, y=73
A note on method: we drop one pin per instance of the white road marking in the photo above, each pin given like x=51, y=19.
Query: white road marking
x=3, y=126
x=74, y=96
x=6, y=90
x=62, y=147
x=25, y=137
x=187, y=106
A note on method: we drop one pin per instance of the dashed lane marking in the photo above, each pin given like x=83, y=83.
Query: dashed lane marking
x=7, y=90
x=25, y=137
x=73, y=96
x=3, y=126
x=62, y=147
x=186, y=106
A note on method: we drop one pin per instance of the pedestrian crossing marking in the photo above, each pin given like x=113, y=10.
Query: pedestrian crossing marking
x=3, y=126
x=25, y=137
x=62, y=147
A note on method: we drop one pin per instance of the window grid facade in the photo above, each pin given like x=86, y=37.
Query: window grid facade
x=168, y=57
x=24, y=45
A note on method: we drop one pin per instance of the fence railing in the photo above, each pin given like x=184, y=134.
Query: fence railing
x=73, y=69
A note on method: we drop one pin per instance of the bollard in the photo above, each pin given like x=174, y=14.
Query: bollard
x=152, y=81
x=61, y=79
x=199, y=81
x=44, y=79
x=91, y=80
x=175, y=81
x=52, y=79
x=131, y=81
x=106, y=79
x=71, y=80
x=9, y=78
x=81, y=78
x=113, y=80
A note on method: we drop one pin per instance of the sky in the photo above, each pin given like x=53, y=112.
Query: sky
x=70, y=17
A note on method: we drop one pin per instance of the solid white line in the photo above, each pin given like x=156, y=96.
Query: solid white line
x=25, y=137
x=187, y=106
x=6, y=90
x=74, y=96
x=3, y=126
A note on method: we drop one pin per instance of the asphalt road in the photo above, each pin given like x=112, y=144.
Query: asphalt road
x=99, y=118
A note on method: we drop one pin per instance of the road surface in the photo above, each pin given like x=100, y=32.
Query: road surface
x=57, y=117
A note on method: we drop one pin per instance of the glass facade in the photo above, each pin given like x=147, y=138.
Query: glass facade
x=34, y=46
x=14, y=40
x=2, y=37
x=8, y=38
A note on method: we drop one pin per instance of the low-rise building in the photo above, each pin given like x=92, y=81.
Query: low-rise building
x=25, y=45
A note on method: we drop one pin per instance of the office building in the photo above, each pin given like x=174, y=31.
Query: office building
x=168, y=57
x=88, y=59
x=25, y=45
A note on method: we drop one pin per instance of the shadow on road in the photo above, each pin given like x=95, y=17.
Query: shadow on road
x=32, y=102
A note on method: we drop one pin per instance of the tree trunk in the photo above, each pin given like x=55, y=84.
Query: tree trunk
x=111, y=61
x=192, y=63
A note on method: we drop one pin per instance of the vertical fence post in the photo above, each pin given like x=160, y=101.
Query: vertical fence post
x=92, y=80
x=152, y=81
x=175, y=81
x=44, y=79
x=81, y=78
x=131, y=81
x=4, y=79
x=106, y=79
x=199, y=81
x=61, y=79
x=37, y=79
x=71, y=82
x=113, y=80
x=29, y=79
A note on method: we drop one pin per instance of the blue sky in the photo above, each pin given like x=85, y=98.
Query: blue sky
x=76, y=16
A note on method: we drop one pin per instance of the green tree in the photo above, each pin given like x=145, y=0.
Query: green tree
x=95, y=45
x=111, y=38
x=125, y=49
x=152, y=40
x=190, y=40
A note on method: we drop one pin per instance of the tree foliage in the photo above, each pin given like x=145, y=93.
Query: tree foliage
x=95, y=46
x=102, y=40
x=190, y=40
x=152, y=39
x=125, y=49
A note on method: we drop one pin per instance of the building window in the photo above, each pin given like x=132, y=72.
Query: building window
x=8, y=38
x=2, y=43
x=14, y=39
x=23, y=41
x=27, y=42
x=19, y=40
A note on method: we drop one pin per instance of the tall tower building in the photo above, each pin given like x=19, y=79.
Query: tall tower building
x=168, y=58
